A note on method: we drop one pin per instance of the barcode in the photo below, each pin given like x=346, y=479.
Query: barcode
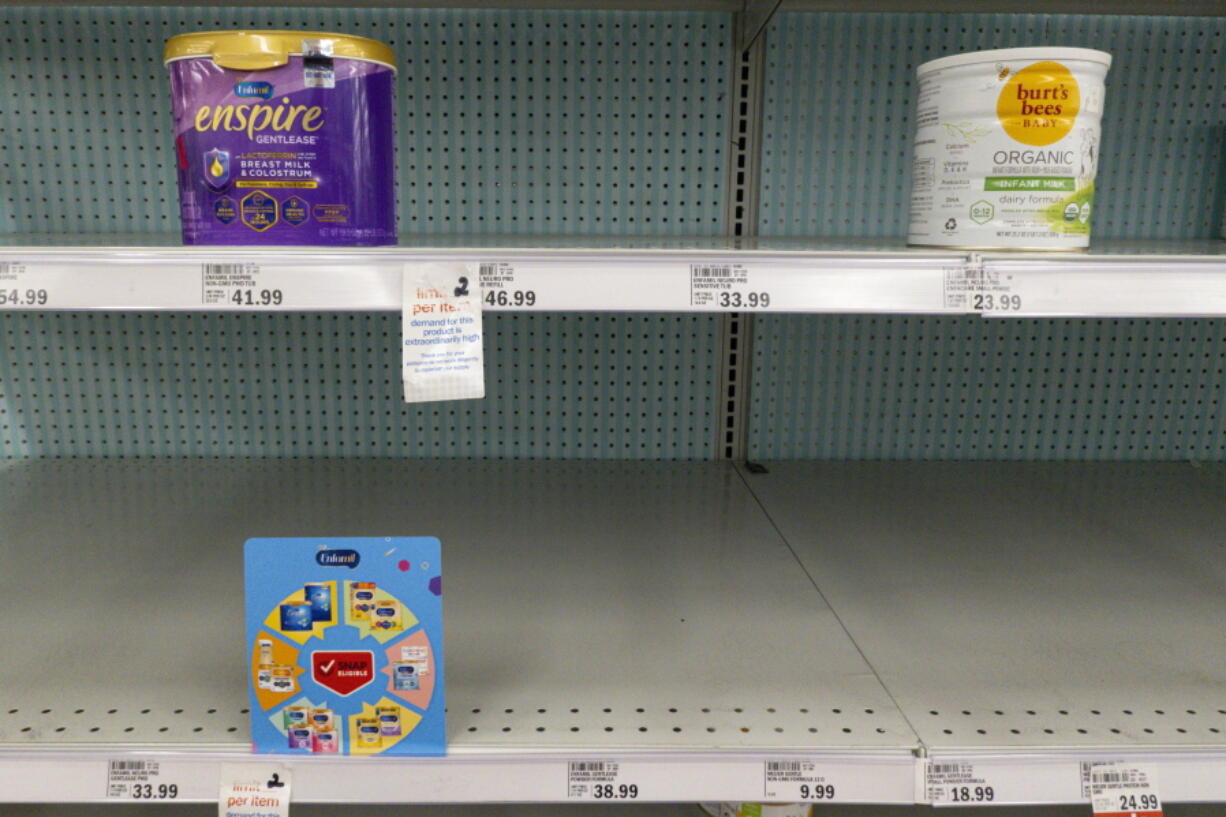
x=700, y=271
x=789, y=766
x=1106, y=777
x=222, y=269
x=127, y=765
x=5, y=267
x=587, y=766
x=944, y=768
x=488, y=269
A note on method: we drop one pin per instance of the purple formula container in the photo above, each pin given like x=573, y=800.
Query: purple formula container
x=284, y=138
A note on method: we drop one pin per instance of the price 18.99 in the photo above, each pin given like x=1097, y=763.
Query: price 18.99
x=972, y=794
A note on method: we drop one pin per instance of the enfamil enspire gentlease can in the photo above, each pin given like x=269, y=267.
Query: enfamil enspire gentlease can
x=1006, y=148
x=284, y=137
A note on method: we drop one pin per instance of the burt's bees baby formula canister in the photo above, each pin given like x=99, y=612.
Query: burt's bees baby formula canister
x=1006, y=149
x=284, y=137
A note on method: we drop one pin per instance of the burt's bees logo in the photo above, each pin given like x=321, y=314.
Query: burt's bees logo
x=256, y=118
x=1039, y=104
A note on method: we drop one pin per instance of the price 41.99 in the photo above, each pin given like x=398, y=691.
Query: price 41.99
x=257, y=297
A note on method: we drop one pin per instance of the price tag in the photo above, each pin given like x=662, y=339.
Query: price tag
x=138, y=780
x=254, y=790
x=977, y=288
x=1121, y=790
x=725, y=286
x=237, y=285
x=956, y=783
x=599, y=780
x=796, y=780
x=502, y=288
x=19, y=288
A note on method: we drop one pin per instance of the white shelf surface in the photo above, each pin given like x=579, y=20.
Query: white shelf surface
x=620, y=274
x=1029, y=617
x=646, y=613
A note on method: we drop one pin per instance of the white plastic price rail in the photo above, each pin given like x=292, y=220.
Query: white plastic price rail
x=868, y=281
x=1048, y=778
x=513, y=280
x=460, y=778
x=1093, y=286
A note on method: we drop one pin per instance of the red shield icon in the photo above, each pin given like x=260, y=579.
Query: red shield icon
x=343, y=671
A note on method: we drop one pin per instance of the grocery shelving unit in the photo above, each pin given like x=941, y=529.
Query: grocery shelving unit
x=852, y=524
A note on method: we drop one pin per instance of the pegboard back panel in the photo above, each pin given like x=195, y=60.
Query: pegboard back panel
x=572, y=385
x=840, y=97
x=964, y=388
x=509, y=121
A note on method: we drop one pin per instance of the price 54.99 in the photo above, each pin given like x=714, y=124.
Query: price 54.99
x=23, y=297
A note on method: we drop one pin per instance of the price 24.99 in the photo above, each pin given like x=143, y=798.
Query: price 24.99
x=1142, y=802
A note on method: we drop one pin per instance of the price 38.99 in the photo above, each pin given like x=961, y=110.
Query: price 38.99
x=609, y=791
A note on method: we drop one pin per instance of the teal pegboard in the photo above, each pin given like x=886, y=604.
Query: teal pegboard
x=510, y=121
x=912, y=387
x=573, y=385
x=839, y=96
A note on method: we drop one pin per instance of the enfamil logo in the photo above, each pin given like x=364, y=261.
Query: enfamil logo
x=1039, y=104
x=248, y=90
x=341, y=557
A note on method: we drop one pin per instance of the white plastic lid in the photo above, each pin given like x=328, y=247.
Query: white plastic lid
x=1014, y=54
